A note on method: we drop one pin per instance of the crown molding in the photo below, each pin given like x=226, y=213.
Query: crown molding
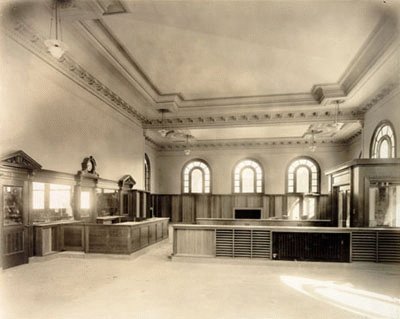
x=326, y=93
x=111, y=6
x=374, y=48
x=24, y=35
x=385, y=92
x=107, y=44
x=248, y=144
x=254, y=119
x=151, y=143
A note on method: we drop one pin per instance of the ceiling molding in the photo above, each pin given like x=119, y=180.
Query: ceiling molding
x=254, y=119
x=111, y=6
x=382, y=94
x=373, y=49
x=326, y=93
x=149, y=142
x=105, y=42
x=353, y=137
x=364, y=62
x=24, y=35
x=248, y=144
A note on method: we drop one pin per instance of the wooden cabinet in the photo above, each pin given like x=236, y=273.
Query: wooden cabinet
x=366, y=193
x=16, y=171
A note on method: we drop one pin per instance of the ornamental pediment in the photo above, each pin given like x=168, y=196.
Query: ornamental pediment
x=21, y=160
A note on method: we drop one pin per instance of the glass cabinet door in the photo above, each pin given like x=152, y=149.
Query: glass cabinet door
x=12, y=205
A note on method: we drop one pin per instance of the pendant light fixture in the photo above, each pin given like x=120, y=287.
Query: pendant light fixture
x=336, y=125
x=54, y=44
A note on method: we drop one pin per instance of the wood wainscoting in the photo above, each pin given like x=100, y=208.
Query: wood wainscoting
x=187, y=208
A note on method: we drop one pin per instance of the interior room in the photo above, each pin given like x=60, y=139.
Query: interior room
x=200, y=159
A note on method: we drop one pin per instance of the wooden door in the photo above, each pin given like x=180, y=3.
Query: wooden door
x=14, y=235
x=15, y=246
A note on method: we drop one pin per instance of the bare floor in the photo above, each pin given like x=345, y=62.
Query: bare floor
x=148, y=284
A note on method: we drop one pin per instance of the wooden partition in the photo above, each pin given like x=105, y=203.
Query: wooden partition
x=187, y=208
x=288, y=243
x=121, y=238
x=124, y=238
x=263, y=222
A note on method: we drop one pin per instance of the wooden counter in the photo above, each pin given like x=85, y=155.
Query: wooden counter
x=47, y=236
x=124, y=238
x=119, y=238
x=109, y=219
x=288, y=243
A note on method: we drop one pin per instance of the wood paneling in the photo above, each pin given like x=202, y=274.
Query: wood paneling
x=202, y=205
x=195, y=243
x=226, y=206
x=15, y=245
x=176, y=209
x=72, y=238
x=123, y=238
x=263, y=222
x=187, y=208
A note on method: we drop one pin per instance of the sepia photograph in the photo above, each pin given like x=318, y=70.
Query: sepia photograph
x=200, y=159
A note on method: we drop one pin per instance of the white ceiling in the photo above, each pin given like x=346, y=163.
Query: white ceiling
x=209, y=49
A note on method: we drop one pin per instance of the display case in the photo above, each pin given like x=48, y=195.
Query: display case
x=384, y=204
x=366, y=193
x=107, y=202
x=16, y=172
x=12, y=205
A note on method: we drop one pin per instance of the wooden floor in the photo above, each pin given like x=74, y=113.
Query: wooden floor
x=149, y=284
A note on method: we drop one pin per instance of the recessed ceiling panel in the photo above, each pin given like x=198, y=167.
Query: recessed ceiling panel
x=206, y=49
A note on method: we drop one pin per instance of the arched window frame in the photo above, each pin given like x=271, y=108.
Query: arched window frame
x=187, y=182
x=147, y=173
x=378, y=137
x=316, y=177
x=237, y=170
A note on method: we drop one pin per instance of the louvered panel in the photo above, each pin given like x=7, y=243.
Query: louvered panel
x=363, y=246
x=389, y=246
x=261, y=244
x=242, y=243
x=224, y=243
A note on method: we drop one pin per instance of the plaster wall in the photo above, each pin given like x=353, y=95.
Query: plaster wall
x=58, y=123
x=274, y=162
x=388, y=109
x=154, y=169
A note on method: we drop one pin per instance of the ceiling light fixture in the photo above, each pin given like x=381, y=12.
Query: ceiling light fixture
x=336, y=125
x=187, y=149
x=54, y=44
x=310, y=135
x=163, y=131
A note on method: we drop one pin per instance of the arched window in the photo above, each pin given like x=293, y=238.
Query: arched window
x=383, y=143
x=196, y=177
x=248, y=177
x=147, y=173
x=303, y=175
